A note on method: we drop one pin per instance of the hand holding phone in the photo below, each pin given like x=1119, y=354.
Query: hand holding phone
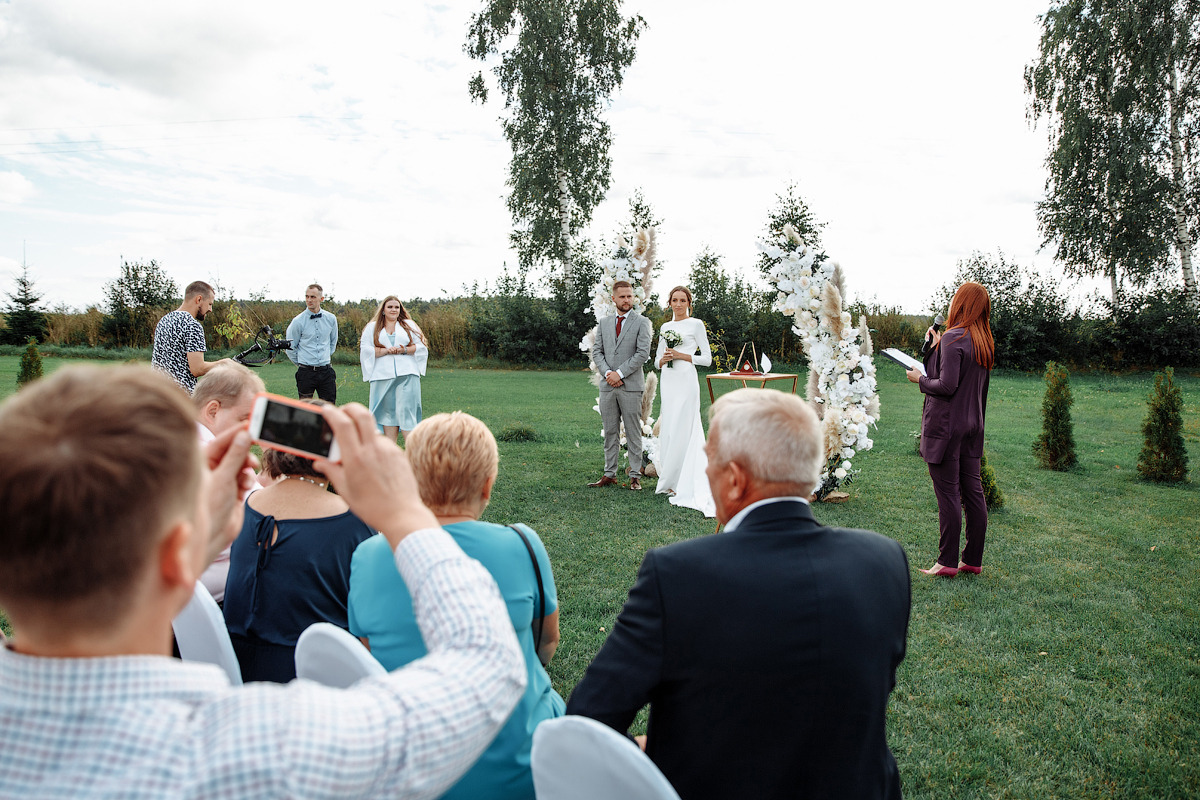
x=292, y=426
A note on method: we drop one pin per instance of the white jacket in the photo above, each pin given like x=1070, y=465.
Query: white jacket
x=385, y=367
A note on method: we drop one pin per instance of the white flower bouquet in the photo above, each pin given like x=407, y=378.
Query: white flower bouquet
x=673, y=340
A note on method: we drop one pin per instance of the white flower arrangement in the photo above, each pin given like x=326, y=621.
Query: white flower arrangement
x=841, y=384
x=673, y=340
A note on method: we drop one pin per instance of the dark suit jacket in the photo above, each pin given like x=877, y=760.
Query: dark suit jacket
x=955, y=390
x=766, y=654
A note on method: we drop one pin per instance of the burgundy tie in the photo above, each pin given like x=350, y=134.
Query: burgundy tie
x=619, y=321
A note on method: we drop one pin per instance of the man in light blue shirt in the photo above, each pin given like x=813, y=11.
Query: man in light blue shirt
x=314, y=335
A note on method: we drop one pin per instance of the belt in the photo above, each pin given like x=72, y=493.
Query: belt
x=312, y=366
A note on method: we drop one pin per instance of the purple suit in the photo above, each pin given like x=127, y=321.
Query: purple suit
x=956, y=388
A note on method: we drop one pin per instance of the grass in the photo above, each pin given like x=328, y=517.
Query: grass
x=1070, y=668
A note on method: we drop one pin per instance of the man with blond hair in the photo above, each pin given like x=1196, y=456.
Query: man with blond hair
x=767, y=652
x=179, y=343
x=224, y=398
x=112, y=511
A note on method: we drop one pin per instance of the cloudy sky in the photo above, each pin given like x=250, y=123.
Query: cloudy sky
x=269, y=144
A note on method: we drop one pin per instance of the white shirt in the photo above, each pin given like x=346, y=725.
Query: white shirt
x=153, y=727
x=382, y=368
x=741, y=515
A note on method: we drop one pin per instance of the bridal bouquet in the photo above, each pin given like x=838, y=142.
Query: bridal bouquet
x=673, y=340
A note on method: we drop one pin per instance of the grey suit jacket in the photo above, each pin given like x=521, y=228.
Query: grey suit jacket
x=625, y=354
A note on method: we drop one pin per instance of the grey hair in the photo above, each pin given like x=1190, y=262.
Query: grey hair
x=775, y=436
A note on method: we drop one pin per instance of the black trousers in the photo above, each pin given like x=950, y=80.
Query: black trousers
x=319, y=380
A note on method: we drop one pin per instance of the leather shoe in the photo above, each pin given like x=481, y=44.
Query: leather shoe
x=962, y=567
x=635, y=484
x=604, y=481
x=941, y=571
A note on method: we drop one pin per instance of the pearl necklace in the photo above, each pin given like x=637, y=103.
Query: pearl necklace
x=306, y=480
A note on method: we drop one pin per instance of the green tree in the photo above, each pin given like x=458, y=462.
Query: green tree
x=1119, y=82
x=23, y=318
x=135, y=301
x=1164, y=456
x=31, y=364
x=1055, y=447
x=791, y=209
x=564, y=59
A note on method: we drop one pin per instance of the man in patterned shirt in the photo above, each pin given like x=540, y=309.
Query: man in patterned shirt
x=111, y=512
x=179, y=343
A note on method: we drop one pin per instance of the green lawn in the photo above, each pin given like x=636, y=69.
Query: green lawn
x=1070, y=668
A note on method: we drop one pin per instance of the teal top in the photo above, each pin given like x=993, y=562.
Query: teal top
x=380, y=609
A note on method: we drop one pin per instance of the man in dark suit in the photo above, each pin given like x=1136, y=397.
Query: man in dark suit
x=622, y=346
x=767, y=652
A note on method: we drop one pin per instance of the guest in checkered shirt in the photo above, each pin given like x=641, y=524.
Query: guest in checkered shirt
x=112, y=511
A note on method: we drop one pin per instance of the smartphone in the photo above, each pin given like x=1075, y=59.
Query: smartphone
x=292, y=426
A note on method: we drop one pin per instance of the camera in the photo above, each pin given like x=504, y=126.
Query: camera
x=263, y=352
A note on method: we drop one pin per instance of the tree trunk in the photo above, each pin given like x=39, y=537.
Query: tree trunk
x=1182, y=237
x=564, y=213
x=1112, y=279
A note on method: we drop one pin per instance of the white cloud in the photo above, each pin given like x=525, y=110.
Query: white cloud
x=15, y=188
x=277, y=142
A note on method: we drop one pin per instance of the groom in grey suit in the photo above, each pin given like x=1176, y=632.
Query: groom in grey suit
x=622, y=346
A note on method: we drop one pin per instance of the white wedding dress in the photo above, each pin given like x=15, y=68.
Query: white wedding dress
x=681, y=458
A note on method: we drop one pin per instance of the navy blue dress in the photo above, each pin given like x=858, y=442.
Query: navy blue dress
x=277, y=589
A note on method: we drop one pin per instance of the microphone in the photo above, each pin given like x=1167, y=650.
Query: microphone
x=938, y=321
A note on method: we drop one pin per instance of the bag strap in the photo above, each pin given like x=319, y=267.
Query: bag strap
x=537, y=573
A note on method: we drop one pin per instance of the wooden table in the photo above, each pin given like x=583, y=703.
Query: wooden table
x=762, y=380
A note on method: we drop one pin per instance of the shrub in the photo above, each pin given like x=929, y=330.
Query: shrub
x=1055, y=448
x=1164, y=457
x=1143, y=330
x=991, y=490
x=517, y=432
x=31, y=364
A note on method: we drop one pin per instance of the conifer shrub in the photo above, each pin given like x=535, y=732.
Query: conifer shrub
x=991, y=490
x=31, y=364
x=1164, y=457
x=1055, y=447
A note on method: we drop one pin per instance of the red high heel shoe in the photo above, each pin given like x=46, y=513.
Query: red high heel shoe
x=968, y=568
x=940, y=571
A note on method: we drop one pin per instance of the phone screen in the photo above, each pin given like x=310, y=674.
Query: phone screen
x=299, y=428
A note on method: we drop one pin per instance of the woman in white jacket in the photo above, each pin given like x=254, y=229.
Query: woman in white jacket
x=394, y=352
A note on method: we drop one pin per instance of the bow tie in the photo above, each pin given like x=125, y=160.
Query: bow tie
x=315, y=316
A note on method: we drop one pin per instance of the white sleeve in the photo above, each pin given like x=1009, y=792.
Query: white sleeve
x=704, y=359
x=662, y=349
x=366, y=351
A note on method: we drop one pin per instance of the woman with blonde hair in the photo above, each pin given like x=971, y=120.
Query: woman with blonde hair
x=455, y=459
x=958, y=368
x=394, y=353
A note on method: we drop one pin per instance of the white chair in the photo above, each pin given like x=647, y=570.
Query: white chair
x=201, y=634
x=577, y=758
x=329, y=655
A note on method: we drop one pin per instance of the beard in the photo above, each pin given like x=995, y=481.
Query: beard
x=200, y=315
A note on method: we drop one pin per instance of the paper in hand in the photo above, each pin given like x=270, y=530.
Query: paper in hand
x=904, y=359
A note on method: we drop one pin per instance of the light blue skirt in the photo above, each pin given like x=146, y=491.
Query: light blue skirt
x=397, y=402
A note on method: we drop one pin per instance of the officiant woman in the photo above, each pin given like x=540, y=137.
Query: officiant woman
x=955, y=385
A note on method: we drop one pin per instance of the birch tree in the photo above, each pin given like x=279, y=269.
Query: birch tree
x=1118, y=83
x=558, y=63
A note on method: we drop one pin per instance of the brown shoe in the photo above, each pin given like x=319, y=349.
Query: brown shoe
x=604, y=481
x=635, y=484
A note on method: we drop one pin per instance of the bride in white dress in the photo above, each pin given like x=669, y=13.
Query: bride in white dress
x=681, y=458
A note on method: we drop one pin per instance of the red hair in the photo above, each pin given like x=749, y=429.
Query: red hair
x=971, y=309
